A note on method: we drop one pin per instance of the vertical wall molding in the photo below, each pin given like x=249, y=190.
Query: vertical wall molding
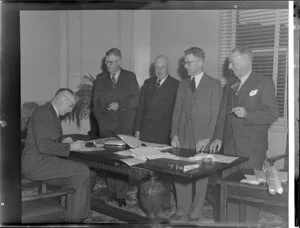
x=64, y=44
x=141, y=44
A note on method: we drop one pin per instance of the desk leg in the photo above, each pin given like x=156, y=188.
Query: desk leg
x=242, y=214
x=223, y=203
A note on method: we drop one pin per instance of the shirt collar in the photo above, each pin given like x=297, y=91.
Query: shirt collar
x=245, y=77
x=198, y=78
x=116, y=74
x=56, y=111
x=161, y=80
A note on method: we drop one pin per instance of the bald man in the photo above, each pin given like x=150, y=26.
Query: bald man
x=44, y=155
x=154, y=113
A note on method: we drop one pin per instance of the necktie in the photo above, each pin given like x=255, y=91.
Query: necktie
x=158, y=83
x=193, y=85
x=236, y=87
x=113, y=79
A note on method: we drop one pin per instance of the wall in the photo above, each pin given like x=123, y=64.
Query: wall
x=173, y=31
x=40, y=55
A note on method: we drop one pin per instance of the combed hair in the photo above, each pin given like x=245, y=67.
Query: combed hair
x=195, y=51
x=243, y=50
x=115, y=52
x=62, y=90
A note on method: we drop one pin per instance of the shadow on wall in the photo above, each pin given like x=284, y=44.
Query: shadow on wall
x=181, y=70
x=228, y=74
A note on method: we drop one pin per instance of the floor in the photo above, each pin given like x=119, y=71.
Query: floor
x=132, y=206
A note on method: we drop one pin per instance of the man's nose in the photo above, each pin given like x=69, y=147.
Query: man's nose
x=230, y=66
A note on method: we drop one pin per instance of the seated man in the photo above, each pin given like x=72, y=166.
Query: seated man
x=44, y=155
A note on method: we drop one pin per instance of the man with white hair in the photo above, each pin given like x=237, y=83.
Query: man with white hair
x=247, y=110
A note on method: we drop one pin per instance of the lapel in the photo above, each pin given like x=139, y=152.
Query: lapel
x=247, y=87
x=202, y=84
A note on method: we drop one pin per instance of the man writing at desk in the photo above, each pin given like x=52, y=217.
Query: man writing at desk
x=194, y=117
x=247, y=110
x=44, y=155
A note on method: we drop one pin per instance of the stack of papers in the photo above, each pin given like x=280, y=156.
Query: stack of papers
x=215, y=157
x=131, y=141
x=145, y=153
x=157, y=145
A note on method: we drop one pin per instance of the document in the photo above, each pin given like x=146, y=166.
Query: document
x=157, y=145
x=162, y=155
x=86, y=149
x=124, y=153
x=131, y=141
x=215, y=157
x=260, y=175
x=144, y=152
x=132, y=161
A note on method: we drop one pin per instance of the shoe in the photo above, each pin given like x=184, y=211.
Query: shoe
x=121, y=202
x=112, y=197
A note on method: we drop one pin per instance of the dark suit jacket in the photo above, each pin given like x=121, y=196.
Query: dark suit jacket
x=43, y=138
x=154, y=113
x=126, y=94
x=199, y=110
x=248, y=136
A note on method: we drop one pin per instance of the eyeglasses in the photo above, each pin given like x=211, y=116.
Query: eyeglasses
x=188, y=63
x=110, y=62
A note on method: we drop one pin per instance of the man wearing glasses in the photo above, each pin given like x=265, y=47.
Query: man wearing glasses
x=194, y=118
x=44, y=153
x=116, y=97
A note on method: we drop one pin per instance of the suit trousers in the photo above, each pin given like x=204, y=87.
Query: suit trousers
x=63, y=172
x=187, y=205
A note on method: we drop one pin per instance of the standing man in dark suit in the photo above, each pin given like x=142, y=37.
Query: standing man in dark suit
x=194, y=118
x=116, y=96
x=247, y=110
x=154, y=113
x=44, y=154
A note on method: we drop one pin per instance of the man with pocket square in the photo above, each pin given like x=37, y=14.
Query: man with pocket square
x=247, y=110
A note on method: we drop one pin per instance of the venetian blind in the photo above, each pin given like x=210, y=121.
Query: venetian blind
x=265, y=31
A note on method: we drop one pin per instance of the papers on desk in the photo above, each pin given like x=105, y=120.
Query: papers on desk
x=131, y=141
x=251, y=179
x=157, y=145
x=86, y=149
x=215, y=157
x=260, y=175
x=132, y=161
x=123, y=153
x=145, y=153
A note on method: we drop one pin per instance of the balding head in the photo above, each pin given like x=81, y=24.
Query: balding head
x=161, y=66
x=64, y=101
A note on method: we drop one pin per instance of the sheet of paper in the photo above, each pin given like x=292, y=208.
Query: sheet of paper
x=255, y=182
x=282, y=176
x=215, y=157
x=124, y=153
x=162, y=155
x=86, y=149
x=131, y=141
x=132, y=161
x=143, y=152
x=157, y=145
x=103, y=140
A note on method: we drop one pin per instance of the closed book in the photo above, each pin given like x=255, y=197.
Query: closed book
x=177, y=165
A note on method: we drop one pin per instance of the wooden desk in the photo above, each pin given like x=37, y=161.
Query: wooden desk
x=232, y=189
x=107, y=160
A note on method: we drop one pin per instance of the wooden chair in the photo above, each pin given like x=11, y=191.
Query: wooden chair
x=47, y=204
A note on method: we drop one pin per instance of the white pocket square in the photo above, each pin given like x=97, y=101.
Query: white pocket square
x=253, y=92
